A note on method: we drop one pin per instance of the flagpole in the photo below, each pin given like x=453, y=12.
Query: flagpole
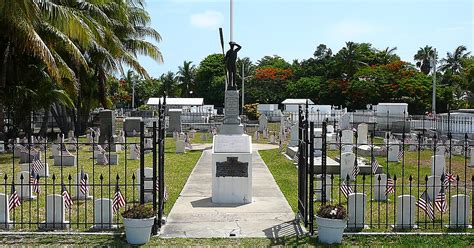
x=231, y=20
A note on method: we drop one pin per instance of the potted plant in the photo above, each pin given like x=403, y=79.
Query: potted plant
x=331, y=220
x=138, y=222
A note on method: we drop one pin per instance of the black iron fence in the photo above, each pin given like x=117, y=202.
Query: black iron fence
x=82, y=183
x=386, y=181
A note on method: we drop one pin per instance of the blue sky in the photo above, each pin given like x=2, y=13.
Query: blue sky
x=293, y=29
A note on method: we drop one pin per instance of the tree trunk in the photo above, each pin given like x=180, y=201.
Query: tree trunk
x=44, y=123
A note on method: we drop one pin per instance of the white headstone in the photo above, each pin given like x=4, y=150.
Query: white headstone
x=356, y=210
x=294, y=135
x=440, y=150
x=55, y=213
x=77, y=183
x=330, y=128
x=103, y=214
x=272, y=139
x=203, y=136
x=345, y=122
x=44, y=172
x=55, y=150
x=393, y=152
x=433, y=186
x=347, y=165
x=347, y=148
x=134, y=152
x=23, y=187
x=262, y=122
x=460, y=211
x=438, y=164
x=180, y=146
x=405, y=212
x=65, y=160
x=362, y=132
x=148, y=184
x=319, y=187
x=5, y=222
x=347, y=137
x=380, y=185
x=2, y=146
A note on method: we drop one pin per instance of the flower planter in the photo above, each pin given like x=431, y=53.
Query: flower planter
x=330, y=230
x=138, y=231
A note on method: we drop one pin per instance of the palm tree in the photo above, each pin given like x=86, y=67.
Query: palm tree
x=351, y=58
x=169, y=83
x=453, y=61
x=423, y=58
x=185, y=76
x=387, y=55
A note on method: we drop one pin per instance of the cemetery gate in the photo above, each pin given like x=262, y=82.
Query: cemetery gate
x=157, y=148
x=72, y=182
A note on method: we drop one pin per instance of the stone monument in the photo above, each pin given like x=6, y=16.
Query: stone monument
x=232, y=149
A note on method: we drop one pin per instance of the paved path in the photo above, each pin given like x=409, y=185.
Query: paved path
x=194, y=215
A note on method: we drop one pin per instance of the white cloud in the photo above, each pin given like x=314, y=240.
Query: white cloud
x=208, y=19
x=351, y=29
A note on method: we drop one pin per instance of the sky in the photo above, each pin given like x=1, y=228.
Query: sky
x=293, y=29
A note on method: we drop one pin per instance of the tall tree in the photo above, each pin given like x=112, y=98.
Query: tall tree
x=454, y=61
x=169, y=84
x=423, y=58
x=185, y=76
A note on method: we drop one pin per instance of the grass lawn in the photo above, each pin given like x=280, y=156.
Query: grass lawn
x=349, y=241
x=177, y=169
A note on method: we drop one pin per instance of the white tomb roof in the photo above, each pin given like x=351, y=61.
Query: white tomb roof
x=295, y=101
x=176, y=101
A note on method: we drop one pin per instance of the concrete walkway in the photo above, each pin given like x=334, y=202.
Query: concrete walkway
x=195, y=216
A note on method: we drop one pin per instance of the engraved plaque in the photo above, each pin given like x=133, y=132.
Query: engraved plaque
x=232, y=168
x=232, y=103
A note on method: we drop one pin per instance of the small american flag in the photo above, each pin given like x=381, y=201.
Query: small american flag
x=14, y=200
x=390, y=186
x=448, y=178
x=296, y=159
x=66, y=197
x=118, y=201
x=187, y=143
x=345, y=189
x=165, y=192
x=375, y=164
x=425, y=204
x=440, y=202
x=37, y=165
x=137, y=150
x=400, y=153
x=355, y=169
x=34, y=182
x=84, y=187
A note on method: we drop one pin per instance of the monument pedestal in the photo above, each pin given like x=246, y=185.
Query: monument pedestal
x=232, y=169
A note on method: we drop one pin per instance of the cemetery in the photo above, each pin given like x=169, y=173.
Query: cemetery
x=361, y=146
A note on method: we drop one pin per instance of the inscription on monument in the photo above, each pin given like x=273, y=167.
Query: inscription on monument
x=232, y=103
x=232, y=168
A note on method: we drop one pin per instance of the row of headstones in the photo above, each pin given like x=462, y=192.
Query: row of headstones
x=25, y=189
x=433, y=186
x=405, y=216
x=55, y=208
x=56, y=213
x=271, y=136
